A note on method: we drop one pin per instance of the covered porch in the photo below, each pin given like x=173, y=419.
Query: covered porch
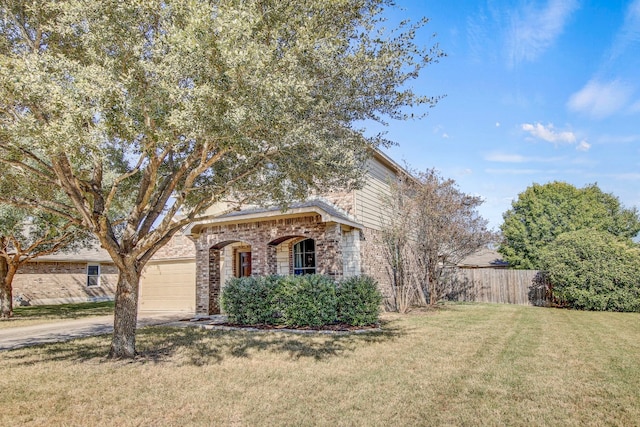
x=306, y=239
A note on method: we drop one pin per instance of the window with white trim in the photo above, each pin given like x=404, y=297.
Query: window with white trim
x=304, y=257
x=93, y=274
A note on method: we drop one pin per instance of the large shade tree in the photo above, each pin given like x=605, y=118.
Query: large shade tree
x=543, y=212
x=157, y=108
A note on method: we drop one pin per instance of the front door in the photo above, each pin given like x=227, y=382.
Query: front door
x=244, y=264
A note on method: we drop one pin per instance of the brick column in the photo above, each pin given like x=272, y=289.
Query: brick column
x=214, y=281
x=202, y=281
x=259, y=259
x=272, y=260
x=329, y=252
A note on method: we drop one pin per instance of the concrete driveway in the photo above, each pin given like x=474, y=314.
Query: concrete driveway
x=65, y=330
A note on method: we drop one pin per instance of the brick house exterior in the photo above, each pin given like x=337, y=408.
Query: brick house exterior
x=82, y=276
x=336, y=233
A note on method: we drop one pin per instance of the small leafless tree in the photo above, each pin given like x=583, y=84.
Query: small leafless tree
x=431, y=226
x=401, y=260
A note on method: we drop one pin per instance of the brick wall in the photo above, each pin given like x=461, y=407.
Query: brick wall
x=179, y=247
x=374, y=263
x=344, y=200
x=63, y=282
x=265, y=239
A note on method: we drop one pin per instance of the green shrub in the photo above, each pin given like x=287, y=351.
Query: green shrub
x=308, y=300
x=594, y=270
x=358, y=300
x=249, y=300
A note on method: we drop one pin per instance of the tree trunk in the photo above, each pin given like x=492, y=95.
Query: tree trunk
x=6, y=297
x=433, y=296
x=123, y=342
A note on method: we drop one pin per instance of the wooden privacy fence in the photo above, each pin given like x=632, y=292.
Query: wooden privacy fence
x=526, y=287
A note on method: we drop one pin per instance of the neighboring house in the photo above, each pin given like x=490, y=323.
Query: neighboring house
x=88, y=275
x=84, y=275
x=335, y=234
x=484, y=258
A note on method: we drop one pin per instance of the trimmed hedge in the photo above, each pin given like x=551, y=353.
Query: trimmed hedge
x=358, y=300
x=298, y=301
x=308, y=300
x=250, y=300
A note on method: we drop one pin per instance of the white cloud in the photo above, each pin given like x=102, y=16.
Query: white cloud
x=583, y=146
x=548, y=133
x=629, y=34
x=505, y=158
x=600, y=100
x=497, y=124
x=534, y=30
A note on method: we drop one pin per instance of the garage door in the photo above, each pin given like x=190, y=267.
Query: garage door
x=169, y=286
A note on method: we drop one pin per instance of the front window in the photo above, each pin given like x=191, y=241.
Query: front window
x=93, y=275
x=304, y=257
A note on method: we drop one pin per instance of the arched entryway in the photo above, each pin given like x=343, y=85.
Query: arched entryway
x=300, y=245
x=230, y=258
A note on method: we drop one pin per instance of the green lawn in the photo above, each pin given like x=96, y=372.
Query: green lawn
x=38, y=314
x=461, y=365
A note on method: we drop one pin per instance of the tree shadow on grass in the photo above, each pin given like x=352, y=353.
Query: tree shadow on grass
x=194, y=345
x=199, y=346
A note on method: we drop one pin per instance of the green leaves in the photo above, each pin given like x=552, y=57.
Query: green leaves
x=543, y=212
x=206, y=100
x=147, y=113
x=308, y=300
x=594, y=270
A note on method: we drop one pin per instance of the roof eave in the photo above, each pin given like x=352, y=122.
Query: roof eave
x=195, y=228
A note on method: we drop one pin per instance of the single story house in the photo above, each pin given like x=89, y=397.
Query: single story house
x=89, y=275
x=83, y=275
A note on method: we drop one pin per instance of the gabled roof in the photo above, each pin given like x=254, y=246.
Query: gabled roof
x=484, y=258
x=327, y=211
x=92, y=254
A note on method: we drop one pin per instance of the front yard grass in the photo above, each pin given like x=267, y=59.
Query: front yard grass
x=467, y=364
x=39, y=314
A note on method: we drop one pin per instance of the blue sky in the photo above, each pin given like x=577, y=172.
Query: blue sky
x=536, y=91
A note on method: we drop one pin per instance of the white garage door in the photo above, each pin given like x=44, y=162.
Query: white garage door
x=169, y=286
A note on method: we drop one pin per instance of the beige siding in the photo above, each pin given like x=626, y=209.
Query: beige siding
x=169, y=286
x=369, y=199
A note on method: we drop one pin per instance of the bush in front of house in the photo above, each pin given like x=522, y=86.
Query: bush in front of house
x=308, y=300
x=249, y=300
x=358, y=300
x=298, y=301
